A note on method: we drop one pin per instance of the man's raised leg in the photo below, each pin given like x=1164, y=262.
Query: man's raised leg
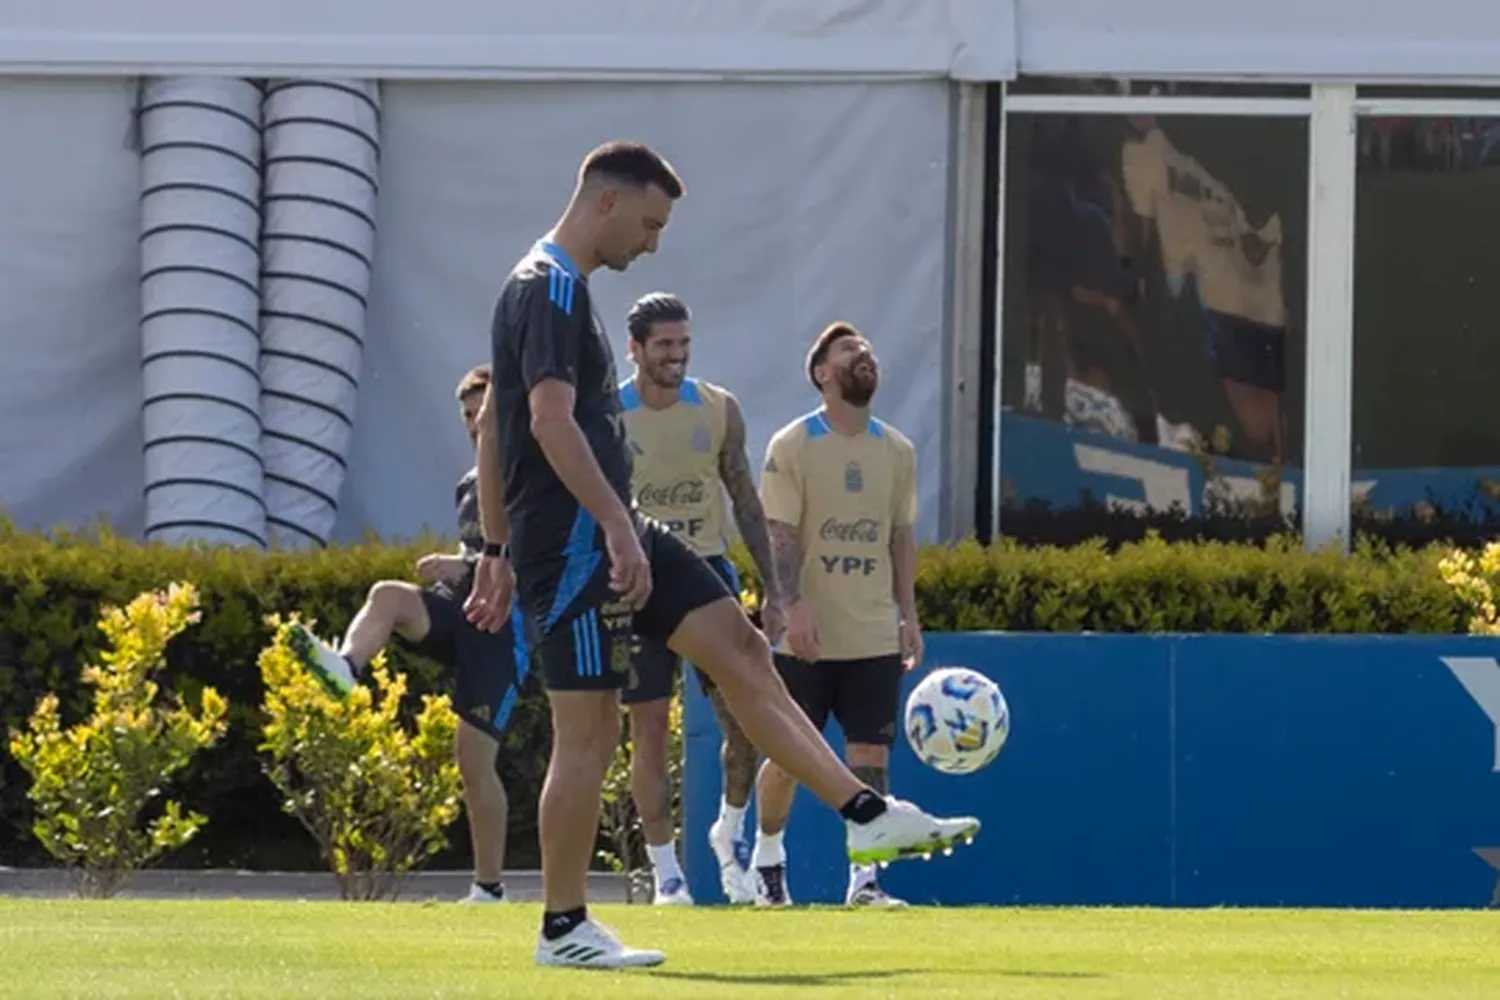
x=392, y=607
x=720, y=639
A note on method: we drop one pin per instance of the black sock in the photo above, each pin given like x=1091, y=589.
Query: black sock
x=493, y=888
x=865, y=807
x=555, y=925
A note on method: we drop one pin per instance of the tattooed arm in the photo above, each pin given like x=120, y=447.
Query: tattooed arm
x=781, y=493
x=786, y=548
x=749, y=515
x=801, y=629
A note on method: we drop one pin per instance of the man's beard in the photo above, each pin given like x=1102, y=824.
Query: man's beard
x=856, y=390
x=666, y=377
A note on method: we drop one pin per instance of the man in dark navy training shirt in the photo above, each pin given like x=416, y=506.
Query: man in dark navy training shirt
x=591, y=572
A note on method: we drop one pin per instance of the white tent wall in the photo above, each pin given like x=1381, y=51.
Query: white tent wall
x=70, y=378
x=1291, y=39
x=477, y=39
x=806, y=203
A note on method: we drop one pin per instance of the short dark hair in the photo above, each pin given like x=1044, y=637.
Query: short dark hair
x=658, y=307
x=632, y=163
x=831, y=333
x=476, y=379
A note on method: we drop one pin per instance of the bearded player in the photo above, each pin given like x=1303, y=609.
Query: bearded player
x=687, y=439
x=839, y=488
x=591, y=572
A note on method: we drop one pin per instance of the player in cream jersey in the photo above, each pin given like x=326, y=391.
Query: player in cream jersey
x=687, y=444
x=839, y=489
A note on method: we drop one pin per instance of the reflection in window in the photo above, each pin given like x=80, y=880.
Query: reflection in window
x=1153, y=360
x=1426, y=327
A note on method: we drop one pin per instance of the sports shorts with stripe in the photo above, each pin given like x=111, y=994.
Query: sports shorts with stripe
x=653, y=673
x=584, y=635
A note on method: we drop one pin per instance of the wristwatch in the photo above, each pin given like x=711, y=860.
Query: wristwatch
x=501, y=549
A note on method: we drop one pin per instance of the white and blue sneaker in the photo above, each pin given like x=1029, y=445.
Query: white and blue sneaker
x=591, y=945
x=770, y=886
x=673, y=891
x=322, y=661
x=869, y=893
x=733, y=855
x=480, y=896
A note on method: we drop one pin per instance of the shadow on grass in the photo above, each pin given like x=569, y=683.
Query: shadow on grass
x=834, y=978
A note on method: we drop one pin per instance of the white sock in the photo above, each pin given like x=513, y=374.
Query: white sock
x=768, y=850
x=732, y=818
x=664, y=861
x=861, y=875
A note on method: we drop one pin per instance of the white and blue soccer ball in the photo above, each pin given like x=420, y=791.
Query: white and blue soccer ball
x=957, y=720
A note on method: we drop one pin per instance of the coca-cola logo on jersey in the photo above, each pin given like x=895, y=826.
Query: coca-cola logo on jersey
x=686, y=493
x=866, y=529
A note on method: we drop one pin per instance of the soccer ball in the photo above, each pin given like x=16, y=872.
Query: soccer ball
x=957, y=720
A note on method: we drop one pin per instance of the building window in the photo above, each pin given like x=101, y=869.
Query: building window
x=1426, y=441
x=1153, y=351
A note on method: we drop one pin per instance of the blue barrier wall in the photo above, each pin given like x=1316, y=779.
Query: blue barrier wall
x=1188, y=770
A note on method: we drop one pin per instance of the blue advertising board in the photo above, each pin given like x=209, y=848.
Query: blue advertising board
x=1195, y=770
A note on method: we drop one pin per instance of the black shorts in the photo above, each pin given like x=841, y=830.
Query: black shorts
x=1245, y=351
x=584, y=635
x=653, y=669
x=863, y=695
x=489, y=668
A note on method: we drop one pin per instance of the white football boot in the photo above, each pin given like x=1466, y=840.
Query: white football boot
x=322, y=661
x=591, y=945
x=905, y=831
x=734, y=857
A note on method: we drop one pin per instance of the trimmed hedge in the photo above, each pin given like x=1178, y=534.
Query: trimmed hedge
x=51, y=589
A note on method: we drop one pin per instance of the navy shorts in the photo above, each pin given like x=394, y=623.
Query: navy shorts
x=489, y=668
x=653, y=671
x=583, y=635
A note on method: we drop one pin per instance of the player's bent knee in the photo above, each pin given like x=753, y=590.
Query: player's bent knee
x=395, y=600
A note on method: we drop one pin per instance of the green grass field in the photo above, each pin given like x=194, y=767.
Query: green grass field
x=127, y=948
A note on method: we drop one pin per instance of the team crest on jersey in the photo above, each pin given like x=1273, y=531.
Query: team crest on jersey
x=854, y=479
x=700, y=438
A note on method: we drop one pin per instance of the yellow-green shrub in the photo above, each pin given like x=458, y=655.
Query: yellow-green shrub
x=52, y=589
x=376, y=798
x=92, y=781
x=1475, y=580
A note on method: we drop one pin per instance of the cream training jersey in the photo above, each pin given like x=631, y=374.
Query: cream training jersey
x=845, y=495
x=676, y=462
